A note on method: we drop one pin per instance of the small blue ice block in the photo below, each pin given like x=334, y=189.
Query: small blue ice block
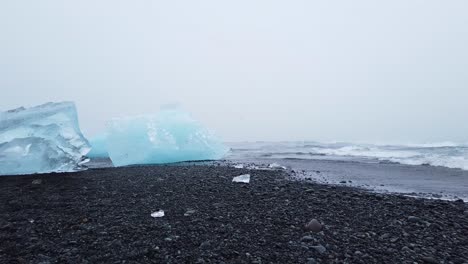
x=170, y=136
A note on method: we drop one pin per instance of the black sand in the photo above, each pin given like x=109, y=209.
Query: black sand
x=103, y=216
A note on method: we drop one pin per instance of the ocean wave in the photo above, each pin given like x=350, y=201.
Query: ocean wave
x=446, y=154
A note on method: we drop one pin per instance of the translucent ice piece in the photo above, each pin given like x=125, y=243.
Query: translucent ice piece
x=157, y=214
x=40, y=139
x=276, y=166
x=170, y=136
x=245, y=178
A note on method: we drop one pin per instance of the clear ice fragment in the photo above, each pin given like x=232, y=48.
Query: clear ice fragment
x=239, y=166
x=157, y=214
x=276, y=166
x=245, y=178
x=41, y=139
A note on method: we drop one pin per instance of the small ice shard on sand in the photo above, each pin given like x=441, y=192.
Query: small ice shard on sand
x=276, y=166
x=170, y=136
x=245, y=178
x=157, y=214
x=41, y=139
x=239, y=166
x=37, y=182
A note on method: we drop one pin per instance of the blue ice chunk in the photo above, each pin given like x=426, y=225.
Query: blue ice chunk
x=41, y=139
x=98, y=147
x=170, y=136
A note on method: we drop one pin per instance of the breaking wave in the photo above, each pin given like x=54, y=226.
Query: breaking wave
x=446, y=154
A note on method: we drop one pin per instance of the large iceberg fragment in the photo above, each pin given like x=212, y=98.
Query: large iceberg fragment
x=98, y=146
x=41, y=139
x=170, y=136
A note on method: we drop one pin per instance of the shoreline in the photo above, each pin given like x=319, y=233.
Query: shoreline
x=104, y=215
x=418, y=181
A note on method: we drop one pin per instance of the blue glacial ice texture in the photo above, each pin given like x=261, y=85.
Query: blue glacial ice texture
x=98, y=146
x=41, y=139
x=170, y=136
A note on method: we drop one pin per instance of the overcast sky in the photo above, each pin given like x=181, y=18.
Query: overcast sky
x=251, y=70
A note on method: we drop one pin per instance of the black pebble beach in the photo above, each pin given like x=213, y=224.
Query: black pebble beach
x=104, y=216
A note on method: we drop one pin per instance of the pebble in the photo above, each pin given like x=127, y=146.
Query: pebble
x=189, y=212
x=430, y=260
x=314, y=226
x=205, y=244
x=311, y=261
x=320, y=249
x=414, y=219
x=307, y=239
x=466, y=212
x=384, y=236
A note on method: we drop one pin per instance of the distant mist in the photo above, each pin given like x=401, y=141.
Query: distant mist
x=363, y=70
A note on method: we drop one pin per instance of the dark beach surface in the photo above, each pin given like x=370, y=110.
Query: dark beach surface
x=104, y=216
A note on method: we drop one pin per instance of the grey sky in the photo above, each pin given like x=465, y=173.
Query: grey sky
x=251, y=70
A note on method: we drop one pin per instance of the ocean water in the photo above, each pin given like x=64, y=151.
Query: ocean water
x=425, y=170
x=445, y=154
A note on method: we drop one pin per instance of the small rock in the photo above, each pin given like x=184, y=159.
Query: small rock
x=189, y=212
x=414, y=219
x=320, y=249
x=314, y=226
x=466, y=212
x=384, y=236
x=311, y=261
x=395, y=239
x=343, y=182
x=429, y=260
x=307, y=239
x=37, y=182
x=205, y=244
